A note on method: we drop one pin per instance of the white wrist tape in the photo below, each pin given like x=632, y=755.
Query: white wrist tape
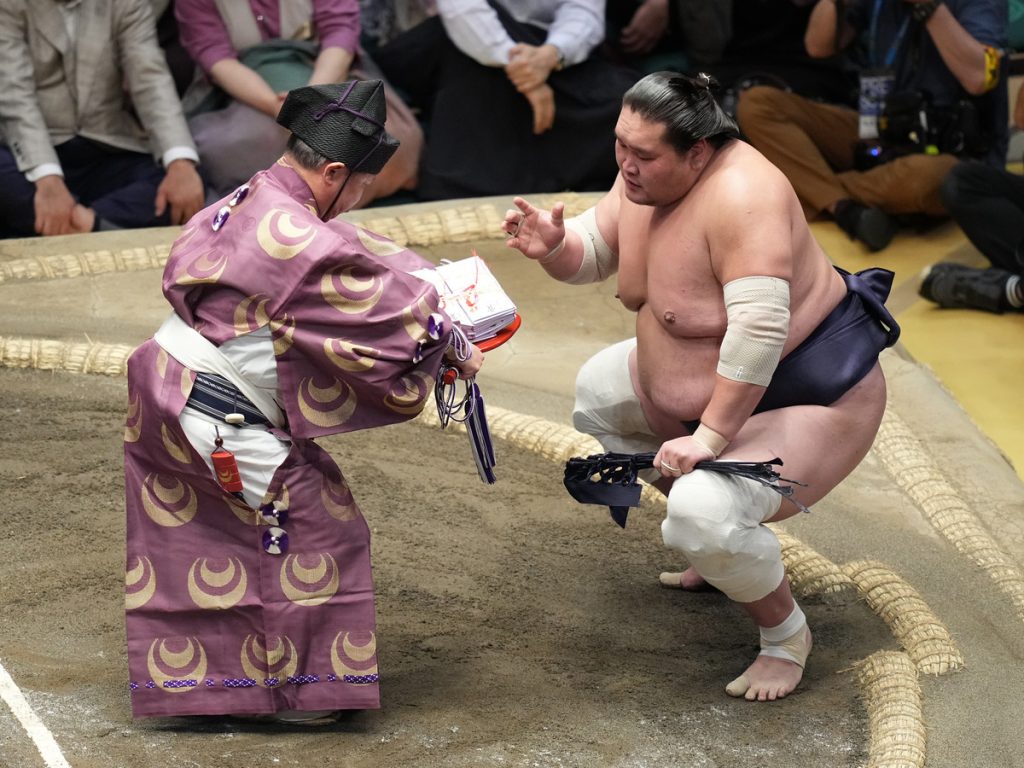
x=757, y=309
x=599, y=261
x=708, y=438
x=553, y=254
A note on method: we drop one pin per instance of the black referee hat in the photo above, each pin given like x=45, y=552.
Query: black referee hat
x=344, y=122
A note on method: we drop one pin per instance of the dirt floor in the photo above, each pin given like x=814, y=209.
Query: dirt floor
x=515, y=627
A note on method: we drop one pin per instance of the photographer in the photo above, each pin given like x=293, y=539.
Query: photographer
x=931, y=92
x=988, y=205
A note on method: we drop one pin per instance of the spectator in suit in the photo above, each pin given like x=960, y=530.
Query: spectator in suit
x=92, y=128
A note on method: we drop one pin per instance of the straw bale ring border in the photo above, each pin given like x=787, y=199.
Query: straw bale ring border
x=914, y=470
x=83, y=264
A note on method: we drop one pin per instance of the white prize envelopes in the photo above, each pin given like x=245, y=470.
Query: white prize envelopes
x=474, y=300
x=471, y=296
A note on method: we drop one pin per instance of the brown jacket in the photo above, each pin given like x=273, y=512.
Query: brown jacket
x=53, y=88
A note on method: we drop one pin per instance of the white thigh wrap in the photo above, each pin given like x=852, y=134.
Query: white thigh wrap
x=607, y=407
x=716, y=520
x=757, y=308
x=599, y=261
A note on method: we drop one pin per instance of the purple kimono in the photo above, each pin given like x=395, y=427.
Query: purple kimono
x=216, y=624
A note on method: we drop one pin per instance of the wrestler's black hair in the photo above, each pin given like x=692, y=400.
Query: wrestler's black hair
x=685, y=106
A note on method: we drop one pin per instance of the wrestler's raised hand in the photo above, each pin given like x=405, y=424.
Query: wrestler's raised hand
x=534, y=233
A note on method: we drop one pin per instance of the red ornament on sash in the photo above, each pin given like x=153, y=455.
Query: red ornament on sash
x=225, y=467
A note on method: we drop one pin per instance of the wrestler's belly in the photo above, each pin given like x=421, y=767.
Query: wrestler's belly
x=675, y=374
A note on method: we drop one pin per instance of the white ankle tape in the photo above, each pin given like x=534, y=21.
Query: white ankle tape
x=787, y=640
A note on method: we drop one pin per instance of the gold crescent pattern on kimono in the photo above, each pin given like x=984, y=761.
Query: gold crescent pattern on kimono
x=133, y=421
x=283, y=333
x=348, y=356
x=186, y=382
x=161, y=363
x=378, y=247
x=415, y=326
x=217, y=589
x=408, y=394
x=140, y=583
x=187, y=233
x=281, y=237
x=173, y=670
x=353, y=657
x=205, y=269
x=346, y=292
x=176, y=447
x=270, y=663
x=337, y=499
x=168, y=501
x=248, y=319
x=326, y=406
x=310, y=586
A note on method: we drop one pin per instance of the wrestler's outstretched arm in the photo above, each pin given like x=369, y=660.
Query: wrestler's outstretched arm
x=543, y=236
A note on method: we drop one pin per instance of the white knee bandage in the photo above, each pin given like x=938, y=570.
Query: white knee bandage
x=758, y=312
x=599, y=261
x=716, y=520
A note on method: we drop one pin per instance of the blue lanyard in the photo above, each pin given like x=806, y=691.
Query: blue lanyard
x=890, y=55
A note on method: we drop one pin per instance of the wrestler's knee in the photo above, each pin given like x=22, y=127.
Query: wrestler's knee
x=706, y=514
x=715, y=520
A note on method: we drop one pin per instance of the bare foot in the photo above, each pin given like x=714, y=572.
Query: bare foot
x=769, y=678
x=83, y=219
x=689, y=580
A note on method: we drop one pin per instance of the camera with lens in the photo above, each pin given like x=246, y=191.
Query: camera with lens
x=910, y=124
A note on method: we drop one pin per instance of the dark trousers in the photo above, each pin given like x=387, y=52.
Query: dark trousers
x=480, y=138
x=119, y=185
x=988, y=204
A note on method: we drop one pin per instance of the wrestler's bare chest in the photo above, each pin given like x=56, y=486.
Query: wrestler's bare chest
x=665, y=274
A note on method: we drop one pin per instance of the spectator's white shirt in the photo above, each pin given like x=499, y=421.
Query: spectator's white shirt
x=575, y=27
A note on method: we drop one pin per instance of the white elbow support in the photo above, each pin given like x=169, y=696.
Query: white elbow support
x=599, y=261
x=757, y=309
x=716, y=521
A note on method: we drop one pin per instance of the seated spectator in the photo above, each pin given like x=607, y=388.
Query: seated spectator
x=767, y=48
x=78, y=152
x=514, y=96
x=252, y=53
x=384, y=20
x=942, y=60
x=988, y=204
x=677, y=35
